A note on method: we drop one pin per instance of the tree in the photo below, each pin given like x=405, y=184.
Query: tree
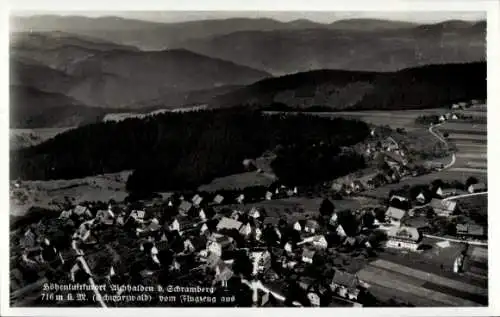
x=471, y=181
x=326, y=208
x=242, y=265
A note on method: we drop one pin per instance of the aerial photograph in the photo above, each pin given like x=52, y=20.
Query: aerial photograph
x=248, y=159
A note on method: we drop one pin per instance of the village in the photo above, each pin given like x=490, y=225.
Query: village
x=250, y=253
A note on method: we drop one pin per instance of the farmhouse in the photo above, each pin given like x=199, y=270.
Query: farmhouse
x=394, y=215
x=307, y=256
x=311, y=226
x=443, y=208
x=471, y=230
x=185, y=207
x=345, y=285
x=403, y=238
x=218, y=199
x=421, y=198
x=228, y=224
x=477, y=188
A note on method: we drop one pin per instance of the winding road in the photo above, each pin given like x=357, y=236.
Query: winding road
x=443, y=140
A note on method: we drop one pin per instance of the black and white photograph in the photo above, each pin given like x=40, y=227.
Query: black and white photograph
x=214, y=158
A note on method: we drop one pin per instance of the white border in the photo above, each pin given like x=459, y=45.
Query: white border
x=492, y=8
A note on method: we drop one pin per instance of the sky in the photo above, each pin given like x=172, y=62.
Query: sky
x=322, y=17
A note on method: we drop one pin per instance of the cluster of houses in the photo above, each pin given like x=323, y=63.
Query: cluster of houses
x=192, y=229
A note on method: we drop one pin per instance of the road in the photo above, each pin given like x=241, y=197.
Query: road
x=443, y=140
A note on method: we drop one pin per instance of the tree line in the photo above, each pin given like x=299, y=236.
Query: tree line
x=176, y=151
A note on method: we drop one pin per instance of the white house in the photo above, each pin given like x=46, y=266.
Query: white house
x=340, y=231
x=269, y=195
x=246, y=230
x=421, y=198
x=175, y=225
x=320, y=242
x=203, y=228
x=202, y=215
x=297, y=226
x=333, y=219
x=254, y=213
x=218, y=199
x=307, y=256
x=477, y=188
x=196, y=200
x=442, y=119
x=214, y=247
x=403, y=238
x=240, y=199
x=288, y=247
x=394, y=215
x=345, y=285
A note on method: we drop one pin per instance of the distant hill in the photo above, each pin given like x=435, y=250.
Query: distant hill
x=106, y=75
x=32, y=108
x=422, y=87
x=370, y=24
x=119, y=79
x=350, y=47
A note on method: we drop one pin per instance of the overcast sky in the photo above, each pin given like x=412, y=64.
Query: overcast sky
x=323, y=17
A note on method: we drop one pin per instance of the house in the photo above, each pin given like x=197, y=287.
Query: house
x=28, y=240
x=288, y=247
x=240, y=199
x=261, y=261
x=477, y=188
x=202, y=215
x=236, y=214
x=455, y=106
x=222, y=273
x=398, y=197
x=357, y=186
x=439, y=191
x=454, y=117
x=311, y=226
x=228, y=224
x=307, y=255
x=65, y=214
x=188, y=246
x=297, y=226
x=403, y=238
x=218, y=199
x=254, y=213
x=106, y=217
x=175, y=225
x=333, y=219
x=185, y=207
x=320, y=242
x=137, y=215
x=340, y=231
x=337, y=187
x=471, y=230
x=196, y=200
x=345, y=285
x=245, y=230
x=269, y=195
x=394, y=215
x=421, y=198
x=447, y=116
x=82, y=211
x=442, y=118
x=443, y=208
x=350, y=241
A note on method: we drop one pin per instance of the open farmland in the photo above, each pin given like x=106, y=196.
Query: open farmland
x=395, y=119
x=238, y=181
x=420, y=287
x=48, y=194
x=21, y=138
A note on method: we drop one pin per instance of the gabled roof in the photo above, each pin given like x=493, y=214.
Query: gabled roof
x=218, y=199
x=197, y=199
x=479, y=186
x=228, y=223
x=185, y=206
x=408, y=233
x=312, y=224
x=400, y=198
x=395, y=213
x=308, y=253
x=80, y=210
x=348, y=280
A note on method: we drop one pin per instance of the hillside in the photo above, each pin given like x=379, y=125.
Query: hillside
x=370, y=24
x=288, y=51
x=185, y=150
x=421, y=87
x=105, y=75
x=59, y=49
x=32, y=108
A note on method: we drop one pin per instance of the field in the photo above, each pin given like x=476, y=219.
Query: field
x=471, y=143
x=21, y=138
x=238, y=181
x=395, y=119
x=48, y=194
x=474, y=204
x=420, y=287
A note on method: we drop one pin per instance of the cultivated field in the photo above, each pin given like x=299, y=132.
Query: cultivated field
x=420, y=287
x=238, y=181
x=21, y=138
x=48, y=194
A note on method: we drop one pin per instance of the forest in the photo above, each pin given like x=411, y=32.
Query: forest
x=176, y=151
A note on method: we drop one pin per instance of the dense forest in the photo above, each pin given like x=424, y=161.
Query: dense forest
x=429, y=86
x=184, y=150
